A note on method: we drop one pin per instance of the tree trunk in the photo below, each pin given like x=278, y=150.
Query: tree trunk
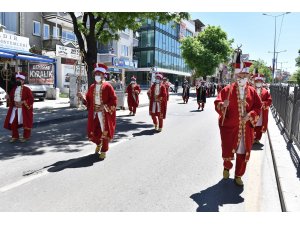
x=91, y=59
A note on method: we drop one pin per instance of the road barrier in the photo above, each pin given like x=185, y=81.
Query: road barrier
x=286, y=108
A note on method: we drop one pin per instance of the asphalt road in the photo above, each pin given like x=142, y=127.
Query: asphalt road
x=177, y=170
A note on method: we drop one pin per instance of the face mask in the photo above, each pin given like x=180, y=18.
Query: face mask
x=98, y=79
x=258, y=84
x=242, y=81
x=157, y=81
x=18, y=82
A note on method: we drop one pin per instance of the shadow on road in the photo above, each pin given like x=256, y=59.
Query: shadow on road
x=65, y=137
x=145, y=133
x=224, y=192
x=84, y=161
x=257, y=147
x=196, y=111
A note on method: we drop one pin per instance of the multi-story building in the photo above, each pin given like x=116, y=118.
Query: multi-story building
x=118, y=54
x=19, y=49
x=159, y=50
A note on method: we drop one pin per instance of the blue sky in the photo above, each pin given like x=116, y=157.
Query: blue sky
x=256, y=33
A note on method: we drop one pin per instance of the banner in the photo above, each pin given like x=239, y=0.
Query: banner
x=41, y=73
x=14, y=42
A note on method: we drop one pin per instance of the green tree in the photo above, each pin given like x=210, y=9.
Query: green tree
x=205, y=52
x=93, y=27
x=295, y=78
x=262, y=69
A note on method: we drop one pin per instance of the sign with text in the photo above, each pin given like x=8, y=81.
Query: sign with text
x=66, y=52
x=41, y=73
x=14, y=42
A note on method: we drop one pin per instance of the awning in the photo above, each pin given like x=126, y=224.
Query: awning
x=25, y=56
x=6, y=55
x=34, y=58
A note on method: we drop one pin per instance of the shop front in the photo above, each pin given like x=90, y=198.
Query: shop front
x=15, y=56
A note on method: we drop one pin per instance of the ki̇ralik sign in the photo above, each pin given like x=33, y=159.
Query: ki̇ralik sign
x=41, y=73
x=14, y=42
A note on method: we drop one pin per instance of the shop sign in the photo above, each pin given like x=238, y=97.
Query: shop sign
x=14, y=42
x=41, y=73
x=67, y=52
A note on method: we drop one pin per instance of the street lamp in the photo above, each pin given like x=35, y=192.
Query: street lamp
x=275, y=60
x=274, y=16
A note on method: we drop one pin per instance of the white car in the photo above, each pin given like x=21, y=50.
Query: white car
x=2, y=96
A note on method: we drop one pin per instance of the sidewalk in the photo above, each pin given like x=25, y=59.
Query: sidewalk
x=287, y=159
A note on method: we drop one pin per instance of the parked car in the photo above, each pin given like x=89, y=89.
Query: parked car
x=2, y=96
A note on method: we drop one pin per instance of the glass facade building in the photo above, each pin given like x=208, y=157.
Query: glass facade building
x=159, y=47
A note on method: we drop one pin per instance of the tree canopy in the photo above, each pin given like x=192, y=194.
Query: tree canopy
x=262, y=69
x=93, y=27
x=205, y=52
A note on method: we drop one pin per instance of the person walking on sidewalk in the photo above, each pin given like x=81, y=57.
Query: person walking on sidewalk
x=133, y=90
x=176, y=85
x=20, y=111
x=266, y=99
x=101, y=101
x=158, y=97
x=186, y=91
x=239, y=107
x=201, y=94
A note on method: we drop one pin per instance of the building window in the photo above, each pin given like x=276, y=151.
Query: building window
x=36, y=28
x=9, y=20
x=147, y=39
x=125, y=50
x=68, y=35
x=46, y=31
x=55, y=32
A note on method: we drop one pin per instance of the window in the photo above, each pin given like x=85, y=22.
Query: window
x=68, y=35
x=36, y=28
x=55, y=32
x=46, y=31
x=124, y=50
x=9, y=20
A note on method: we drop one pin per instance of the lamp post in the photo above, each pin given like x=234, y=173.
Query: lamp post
x=274, y=50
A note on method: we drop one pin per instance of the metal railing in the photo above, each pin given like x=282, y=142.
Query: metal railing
x=286, y=108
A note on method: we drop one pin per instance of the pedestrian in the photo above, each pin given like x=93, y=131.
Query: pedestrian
x=201, y=94
x=176, y=85
x=158, y=97
x=167, y=86
x=133, y=90
x=101, y=101
x=266, y=99
x=186, y=91
x=20, y=111
x=239, y=107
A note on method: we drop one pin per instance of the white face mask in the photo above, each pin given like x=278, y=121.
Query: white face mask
x=157, y=81
x=242, y=81
x=258, y=84
x=98, y=79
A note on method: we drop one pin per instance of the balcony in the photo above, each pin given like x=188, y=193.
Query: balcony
x=60, y=18
x=50, y=44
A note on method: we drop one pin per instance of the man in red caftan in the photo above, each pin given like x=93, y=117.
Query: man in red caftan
x=101, y=101
x=266, y=99
x=20, y=111
x=158, y=97
x=167, y=86
x=133, y=90
x=241, y=106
